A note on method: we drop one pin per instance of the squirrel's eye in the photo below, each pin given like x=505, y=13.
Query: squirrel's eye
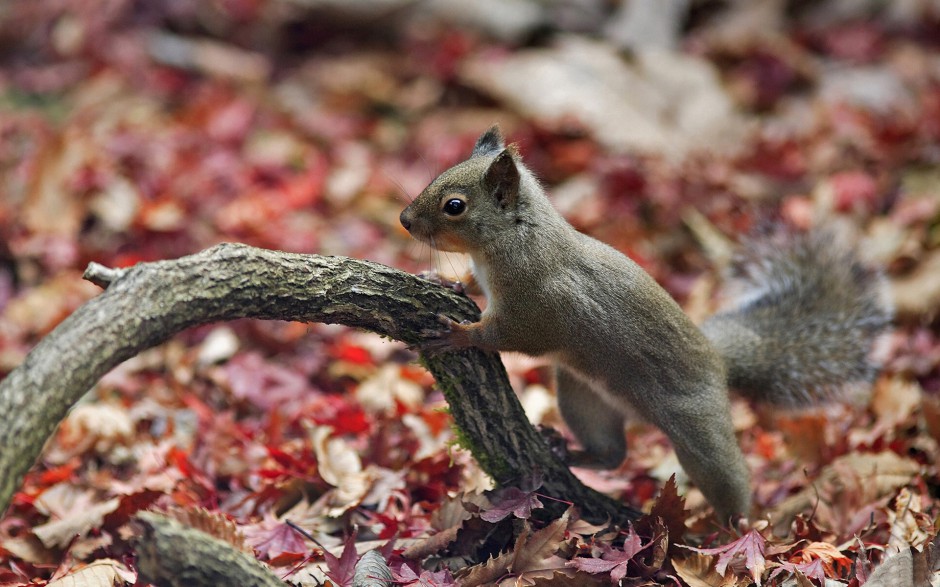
x=454, y=207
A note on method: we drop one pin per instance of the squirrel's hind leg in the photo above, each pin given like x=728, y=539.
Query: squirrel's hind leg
x=702, y=434
x=597, y=425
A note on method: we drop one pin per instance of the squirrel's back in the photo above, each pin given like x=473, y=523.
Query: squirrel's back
x=803, y=324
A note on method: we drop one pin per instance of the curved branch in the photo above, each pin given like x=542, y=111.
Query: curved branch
x=148, y=303
x=170, y=554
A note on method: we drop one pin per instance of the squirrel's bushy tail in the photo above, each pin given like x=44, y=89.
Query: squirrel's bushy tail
x=803, y=325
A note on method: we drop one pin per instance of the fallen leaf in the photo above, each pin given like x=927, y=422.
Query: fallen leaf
x=656, y=104
x=534, y=551
x=341, y=467
x=698, y=570
x=882, y=472
x=748, y=550
x=213, y=523
x=613, y=560
x=58, y=533
x=104, y=572
x=897, y=570
x=97, y=426
x=273, y=538
x=511, y=500
x=910, y=527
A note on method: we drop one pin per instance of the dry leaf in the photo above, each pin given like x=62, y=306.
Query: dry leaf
x=29, y=549
x=664, y=103
x=883, y=473
x=918, y=293
x=59, y=533
x=381, y=392
x=897, y=570
x=698, y=570
x=92, y=426
x=896, y=399
x=340, y=466
x=910, y=527
x=104, y=572
x=215, y=524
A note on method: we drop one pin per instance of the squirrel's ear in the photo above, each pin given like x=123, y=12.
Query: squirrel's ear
x=489, y=142
x=502, y=179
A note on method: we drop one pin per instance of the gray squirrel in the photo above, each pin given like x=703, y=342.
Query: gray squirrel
x=801, y=330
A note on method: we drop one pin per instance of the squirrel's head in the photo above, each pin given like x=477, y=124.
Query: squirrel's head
x=470, y=203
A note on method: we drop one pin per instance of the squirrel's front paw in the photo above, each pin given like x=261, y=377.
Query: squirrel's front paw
x=454, y=335
x=435, y=277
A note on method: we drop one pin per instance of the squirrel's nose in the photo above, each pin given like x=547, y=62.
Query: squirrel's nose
x=405, y=219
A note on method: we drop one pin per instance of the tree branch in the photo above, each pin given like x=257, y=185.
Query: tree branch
x=150, y=302
x=171, y=555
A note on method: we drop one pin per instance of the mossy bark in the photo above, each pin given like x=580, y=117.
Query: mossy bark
x=150, y=302
x=170, y=554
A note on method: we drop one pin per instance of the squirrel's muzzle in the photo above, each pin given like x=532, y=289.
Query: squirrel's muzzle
x=405, y=218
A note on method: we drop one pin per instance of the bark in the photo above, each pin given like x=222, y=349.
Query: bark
x=148, y=303
x=172, y=555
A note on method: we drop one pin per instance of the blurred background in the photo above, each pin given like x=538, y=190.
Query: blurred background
x=137, y=130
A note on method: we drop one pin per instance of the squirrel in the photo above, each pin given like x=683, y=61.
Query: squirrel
x=801, y=330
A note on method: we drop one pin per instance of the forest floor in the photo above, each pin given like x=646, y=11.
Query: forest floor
x=137, y=131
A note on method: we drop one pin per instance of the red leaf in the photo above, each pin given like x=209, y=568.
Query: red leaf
x=512, y=500
x=342, y=569
x=613, y=561
x=272, y=538
x=811, y=570
x=406, y=576
x=749, y=547
x=854, y=190
x=352, y=354
x=58, y=474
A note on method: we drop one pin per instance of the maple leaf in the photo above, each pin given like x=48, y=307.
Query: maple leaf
x=342, y=569
x=512, y=500
x=670, y=508
x=613, y=560
x=272, y=538
x=406, y=576
x=533, y=554
x=749, y=548
x=533, y=550
x=827, y=554
x=862, y=564
x=810, y=570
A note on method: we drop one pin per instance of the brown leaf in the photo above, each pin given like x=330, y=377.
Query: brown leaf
x=909, y=525
x=101, y=573
x=882, y=472
x=98, y=427
x=533, y=551
x=897, y=570
x=698, y=570
x=340, y=466
x=918, y=293
x=431, y=545
x=554, y=578
x=215, y=524
x=29, y=549
x=670, y=508
x=59, y=533
x=895, y=399
x=485, y=573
